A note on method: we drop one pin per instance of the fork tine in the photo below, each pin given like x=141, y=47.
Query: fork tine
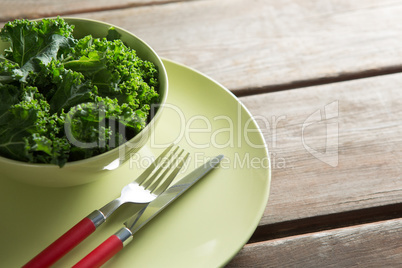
x=166, y=169
x=152, y=167
x=171, y=177
x=158, y=169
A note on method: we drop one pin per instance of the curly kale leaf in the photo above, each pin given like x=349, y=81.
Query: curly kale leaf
x=70, y=89
x=42, y=149
x=9, y=95
x=15, y=125
x=99, y=126
x=128, y=119
x=19, y=121
x=113, y=34
x=88, y=131
x=134, y=74
x=93, y=66
x=9, y=71
x=126, y=84
x=28, y=133
x=64, y=99
x=33, y=42
x=30, y=38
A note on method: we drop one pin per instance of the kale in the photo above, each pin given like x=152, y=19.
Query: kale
x=65, y=99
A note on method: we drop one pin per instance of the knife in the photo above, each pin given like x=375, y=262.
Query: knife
x=121, y=238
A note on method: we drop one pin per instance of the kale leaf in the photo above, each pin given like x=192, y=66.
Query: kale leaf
x=71, y=89
x=65, y=99
x=34, y=42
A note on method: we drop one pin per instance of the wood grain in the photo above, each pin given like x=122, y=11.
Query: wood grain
x=12, y=9
x=369, y=115
x=364, y=168
x=336, y=149
x=252, y=46
x=255, y=46
x=370, y=245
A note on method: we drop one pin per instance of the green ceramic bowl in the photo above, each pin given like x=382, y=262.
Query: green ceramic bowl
x=94, y=168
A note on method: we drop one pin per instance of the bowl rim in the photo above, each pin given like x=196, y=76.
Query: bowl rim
x=144, y=131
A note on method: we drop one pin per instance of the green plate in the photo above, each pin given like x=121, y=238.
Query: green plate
x=206, y=227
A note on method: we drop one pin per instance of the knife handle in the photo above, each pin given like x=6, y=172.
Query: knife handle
x=67, y=241
x=106, y=250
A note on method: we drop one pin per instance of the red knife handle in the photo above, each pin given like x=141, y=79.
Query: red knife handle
x=106, y=250
x=67, y=241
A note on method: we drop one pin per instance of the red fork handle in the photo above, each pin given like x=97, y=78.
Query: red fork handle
x=106, y=250
x=67, y=241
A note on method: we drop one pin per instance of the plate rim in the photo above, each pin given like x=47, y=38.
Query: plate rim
x=269, y=168
x=218, y=259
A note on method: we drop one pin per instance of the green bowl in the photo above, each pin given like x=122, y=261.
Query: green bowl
x=94, y=168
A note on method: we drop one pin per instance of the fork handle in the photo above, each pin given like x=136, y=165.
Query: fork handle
x=106, y=250
x=67, y=241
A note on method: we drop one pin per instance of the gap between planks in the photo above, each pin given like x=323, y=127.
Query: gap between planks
x=98, y=8
x=319, y=81
x=366, y=245
x=326, y=222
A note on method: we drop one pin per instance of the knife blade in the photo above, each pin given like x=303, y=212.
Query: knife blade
x=121, y=238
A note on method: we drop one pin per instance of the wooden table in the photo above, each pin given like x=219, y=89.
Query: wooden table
x=327, y=77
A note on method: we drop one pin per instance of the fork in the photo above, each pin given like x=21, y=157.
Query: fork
x=149, y=185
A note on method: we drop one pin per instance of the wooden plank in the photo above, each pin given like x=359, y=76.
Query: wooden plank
x=369, y=121
x=252, y=46
x=370, y=245
x=326, y=222
x=266, y=45
x=358, y=122
x=11, y=9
